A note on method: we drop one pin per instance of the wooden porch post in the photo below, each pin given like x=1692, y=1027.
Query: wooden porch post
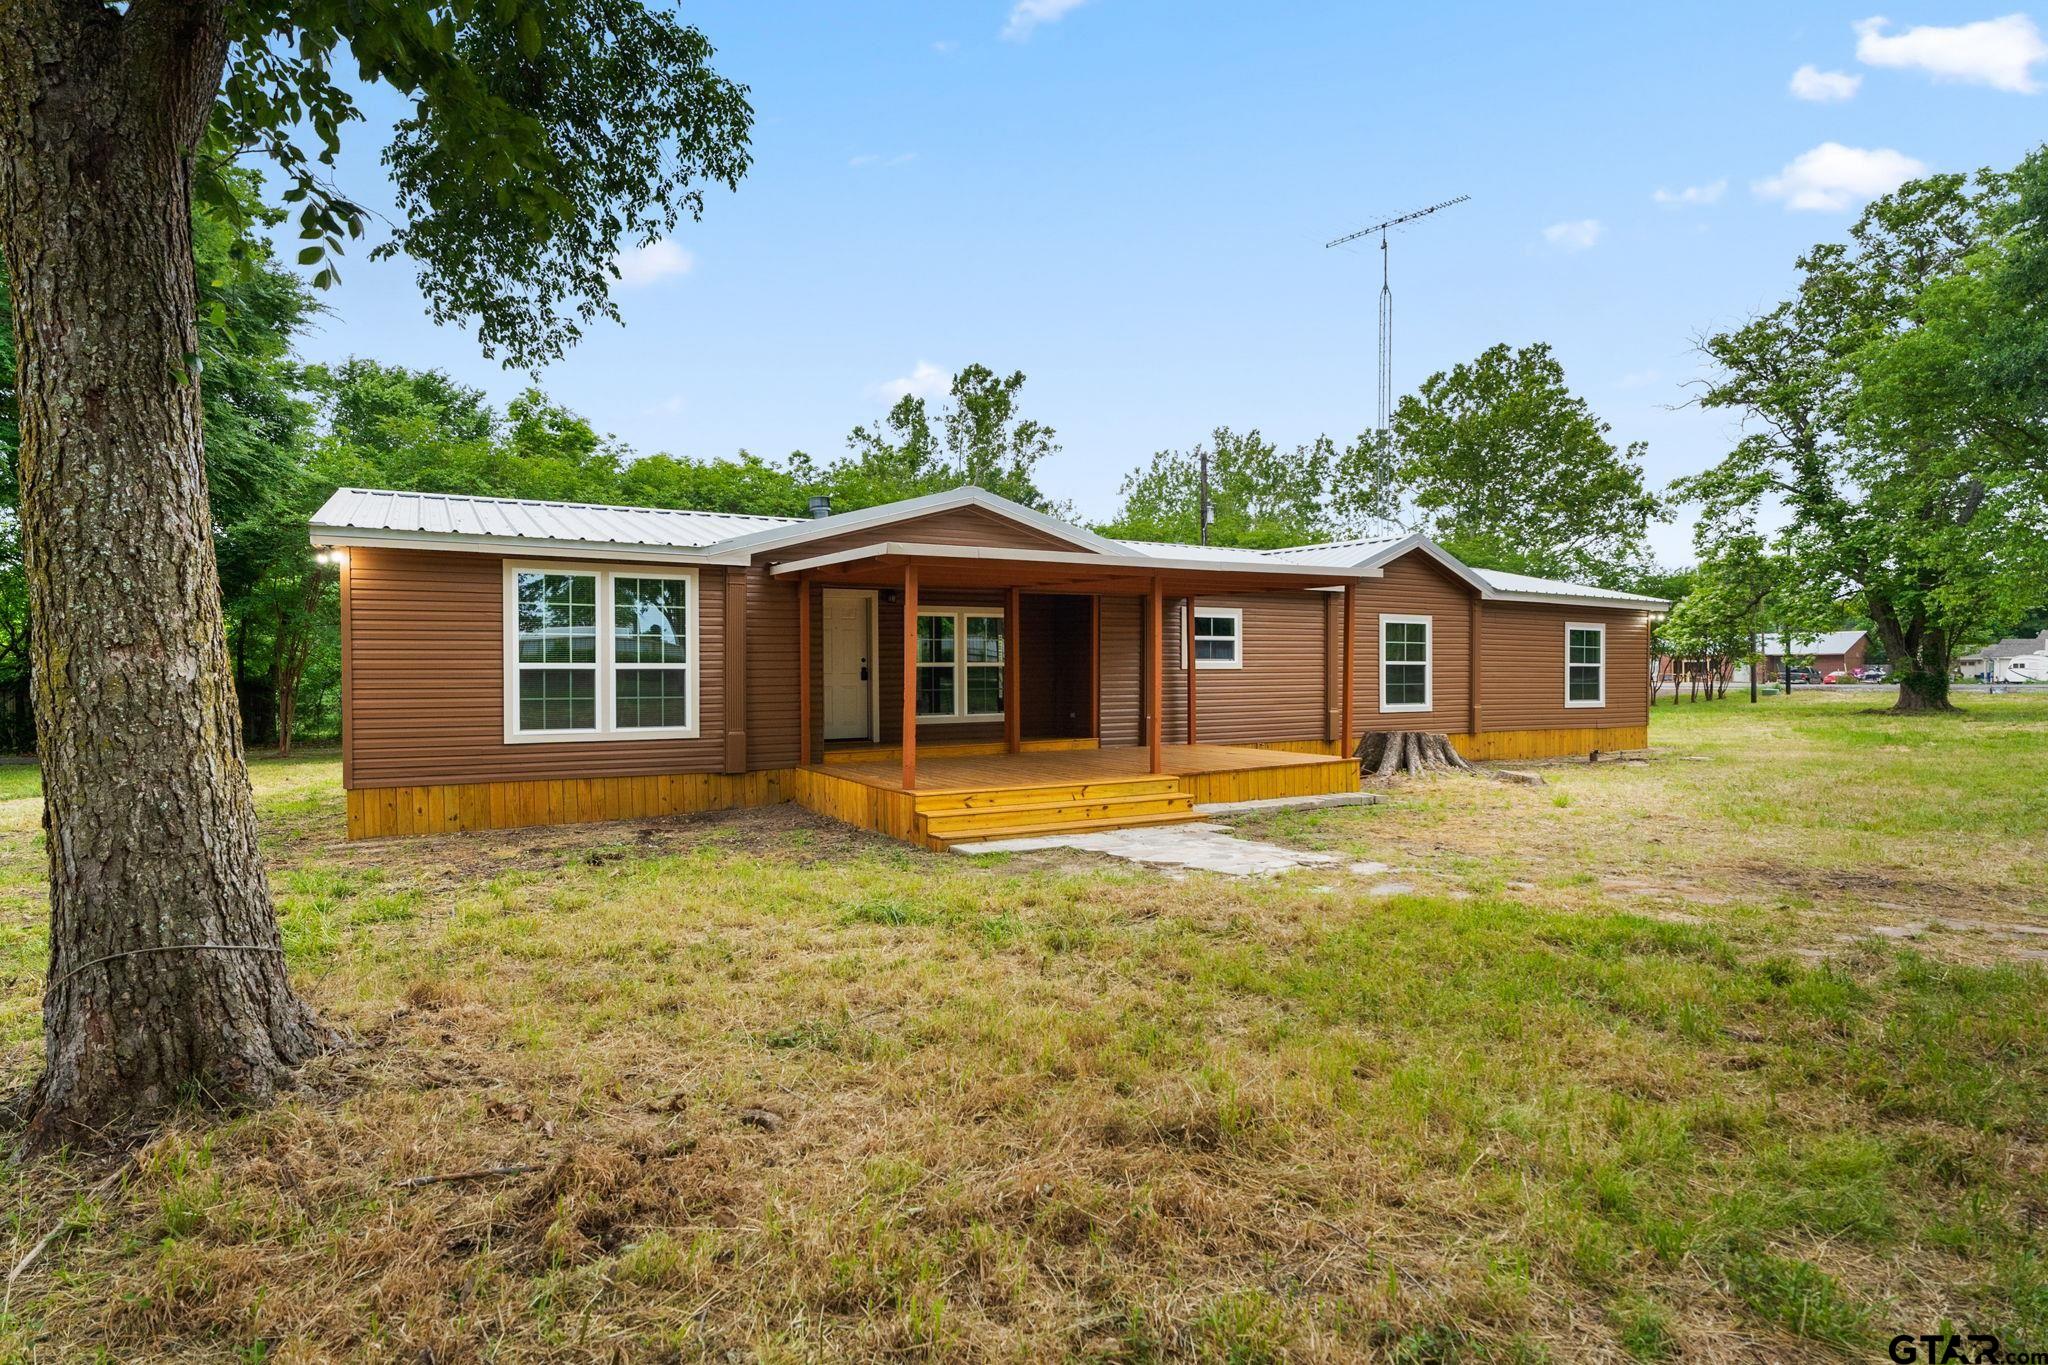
x=1350, y=662
x=1013, y=693
x=1188, y=638
x=910, y=676
x=1155, y=726
x=803, y=672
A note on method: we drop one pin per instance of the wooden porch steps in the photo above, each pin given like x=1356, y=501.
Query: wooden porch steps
x=946, y=818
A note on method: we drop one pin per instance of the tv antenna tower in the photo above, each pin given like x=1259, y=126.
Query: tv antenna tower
x=1386, y=394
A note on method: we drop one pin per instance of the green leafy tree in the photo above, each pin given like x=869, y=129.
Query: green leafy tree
x=1909, y=492
x=747, y=484
x=1742, y=590
x=537, y=141
x=1507, y=468
x=981, y=438
x=1260, y=497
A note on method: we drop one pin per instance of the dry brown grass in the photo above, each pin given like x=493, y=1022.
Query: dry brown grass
x=798, y=1093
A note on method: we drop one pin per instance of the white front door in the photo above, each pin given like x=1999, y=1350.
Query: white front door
x=849, y=671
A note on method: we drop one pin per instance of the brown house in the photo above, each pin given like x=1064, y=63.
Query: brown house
x=514, y=663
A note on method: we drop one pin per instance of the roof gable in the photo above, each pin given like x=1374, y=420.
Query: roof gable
x=868, y=519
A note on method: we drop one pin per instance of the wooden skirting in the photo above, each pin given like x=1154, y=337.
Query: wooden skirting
x=1512, y=744
x=965, y=749
x=380, y=812
x=1264, y=784
x=893, y=813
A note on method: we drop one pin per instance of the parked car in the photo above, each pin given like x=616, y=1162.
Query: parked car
x=1802, y=675
x=1873, y=673
x=1840, y=675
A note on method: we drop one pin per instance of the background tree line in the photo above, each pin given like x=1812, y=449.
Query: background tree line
x=1894, y=412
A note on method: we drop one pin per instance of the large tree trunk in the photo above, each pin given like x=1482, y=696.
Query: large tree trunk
x=167, y=978
x=1922, y=689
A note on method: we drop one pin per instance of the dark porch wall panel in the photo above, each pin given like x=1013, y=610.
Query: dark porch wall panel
x=1053, y=651
x=1280, y=691
x=427, y=680
x=1523, y=652
x=1415, y=585
x=959, y=526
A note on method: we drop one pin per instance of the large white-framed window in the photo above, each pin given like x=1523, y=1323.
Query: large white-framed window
x=1405, y=645
x=1585, y=664
x=600, y=652
x=1218, y=639
x=959, y=664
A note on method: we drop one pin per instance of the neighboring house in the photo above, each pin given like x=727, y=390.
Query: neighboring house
x=514, y=663
x=1836, y=651
x=2022, y=659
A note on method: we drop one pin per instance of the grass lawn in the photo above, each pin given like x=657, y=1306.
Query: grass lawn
x=1740, y=1053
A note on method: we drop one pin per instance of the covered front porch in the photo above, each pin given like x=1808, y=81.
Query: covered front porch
x=1053, y=789
x=912, y=779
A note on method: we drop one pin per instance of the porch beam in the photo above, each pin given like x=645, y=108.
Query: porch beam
x=1346, y=749
x=1188, y=638
x=910, y=677
x=1013, y=693
x=1155, y=724
x=803, y=672
x=1095, y=667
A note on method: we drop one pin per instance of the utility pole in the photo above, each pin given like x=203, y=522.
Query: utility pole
x=1202, y=508
x=1386, y=357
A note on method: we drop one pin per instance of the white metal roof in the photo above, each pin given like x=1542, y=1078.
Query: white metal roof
x=1832, y=642
x=1518, y=583
x=454, y=514
x=371, y=516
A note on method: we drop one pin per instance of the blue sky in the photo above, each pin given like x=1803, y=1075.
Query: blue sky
x=1127, y=199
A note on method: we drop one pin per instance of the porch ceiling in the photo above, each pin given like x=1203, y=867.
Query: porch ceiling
x=975, y=566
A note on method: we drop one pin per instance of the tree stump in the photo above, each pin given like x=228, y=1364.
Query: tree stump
x=1384, y=753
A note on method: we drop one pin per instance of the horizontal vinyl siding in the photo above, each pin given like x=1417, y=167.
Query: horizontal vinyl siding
x=771, y=671
x=1523, y=646
x=1279, y=693
x=427, y=682
x=1414, y=585
x=1121, y=705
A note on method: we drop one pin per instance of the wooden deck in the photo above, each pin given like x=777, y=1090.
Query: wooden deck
x=1005, y=795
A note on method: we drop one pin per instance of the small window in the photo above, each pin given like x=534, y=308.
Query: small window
x=1404, y=663
x=1219, y=637
x=1585, y=665
x=564, y=683
x=960, y=665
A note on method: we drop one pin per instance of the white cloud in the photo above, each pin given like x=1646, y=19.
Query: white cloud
x=946, y=47
x=652, y=263
x=1709, y=193
x=876, y=159
x=2000, y=53
x=925, y=380
x=1809, y=82
x=1027, y=15
x=1832, y=177
x=1575, y=235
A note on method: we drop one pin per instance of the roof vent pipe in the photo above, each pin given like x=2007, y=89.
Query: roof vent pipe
x=821, y=506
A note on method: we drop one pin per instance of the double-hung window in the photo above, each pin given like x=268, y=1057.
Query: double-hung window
x=600, y=653
x=1585, y=665
x=959, y=664
x=1218, y=637
x=1404, y=663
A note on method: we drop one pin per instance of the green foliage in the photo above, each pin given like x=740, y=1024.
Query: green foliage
x=1914, y=482
x=1508, y=469
x=981, y=439
x=539, y=141
x=1259, y=496
x=1740, y=592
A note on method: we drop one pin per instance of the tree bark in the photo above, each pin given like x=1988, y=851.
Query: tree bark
x=167, y=978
